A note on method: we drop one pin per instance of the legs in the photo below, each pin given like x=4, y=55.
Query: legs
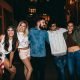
x=28, y=68
x=71, y=62
x=35, y=72
x=78, y=64
x=11, y=70
x=60, y=63
x=38, y=64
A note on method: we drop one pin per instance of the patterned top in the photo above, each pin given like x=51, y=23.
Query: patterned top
x=37, y=40
x=23, y=40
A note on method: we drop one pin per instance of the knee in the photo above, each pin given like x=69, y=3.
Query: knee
x=30, y=69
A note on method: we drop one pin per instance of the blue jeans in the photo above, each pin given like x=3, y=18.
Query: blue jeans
x=74, y=64
x=60, y=62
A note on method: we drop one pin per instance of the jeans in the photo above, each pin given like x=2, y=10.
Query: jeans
x=60, y=62
x=74, y=64
x=38, y=64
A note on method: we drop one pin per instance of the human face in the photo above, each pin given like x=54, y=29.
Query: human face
x=10, y=32
x=22, y=27
x=42, y=24
x=53, y=27
x=70, y=27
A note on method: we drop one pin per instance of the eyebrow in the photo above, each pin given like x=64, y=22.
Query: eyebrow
x=10, y=30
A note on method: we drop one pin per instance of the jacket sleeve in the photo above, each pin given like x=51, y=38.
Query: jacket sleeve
x=77, y=35
x=65, y=35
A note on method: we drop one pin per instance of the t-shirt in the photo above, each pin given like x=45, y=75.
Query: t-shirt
x=57, y=42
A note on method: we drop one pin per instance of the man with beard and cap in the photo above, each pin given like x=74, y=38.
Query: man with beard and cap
x=37, y=37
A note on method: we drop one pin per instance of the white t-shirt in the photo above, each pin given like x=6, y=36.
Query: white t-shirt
x=3, y=51
x=10, y=46
x=23, y=40
x=57, y=42
x=2, y=46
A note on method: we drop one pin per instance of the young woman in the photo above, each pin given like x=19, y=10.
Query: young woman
x=24, y=50
x=10, y=45
x=72, y=38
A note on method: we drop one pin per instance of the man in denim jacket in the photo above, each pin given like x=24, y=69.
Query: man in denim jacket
x=37, y=37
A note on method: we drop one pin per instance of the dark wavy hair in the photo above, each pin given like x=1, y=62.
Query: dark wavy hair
x=6, y=40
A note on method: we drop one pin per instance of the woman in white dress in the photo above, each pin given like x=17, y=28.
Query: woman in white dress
x=10, y=41
x=24, y=49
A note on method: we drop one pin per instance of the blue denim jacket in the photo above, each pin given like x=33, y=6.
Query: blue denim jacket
x=37, y=40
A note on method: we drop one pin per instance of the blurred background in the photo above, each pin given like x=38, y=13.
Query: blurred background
x=60, y=11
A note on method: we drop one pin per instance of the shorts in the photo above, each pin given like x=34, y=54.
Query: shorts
x=23, y=54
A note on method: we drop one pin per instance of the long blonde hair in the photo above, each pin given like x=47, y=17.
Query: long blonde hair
x=26, y=30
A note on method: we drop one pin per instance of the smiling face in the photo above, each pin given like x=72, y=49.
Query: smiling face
x=22, y=27
x=70, y=27
x=10, y=32
x=53, y=27
x=42, y=24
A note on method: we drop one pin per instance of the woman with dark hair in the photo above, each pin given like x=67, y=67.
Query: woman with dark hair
x=10, y=45
x=72, y=37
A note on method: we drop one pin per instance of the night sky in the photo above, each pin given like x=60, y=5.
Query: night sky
x=55, y=8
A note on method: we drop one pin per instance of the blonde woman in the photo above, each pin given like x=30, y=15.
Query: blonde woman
x=24, y=50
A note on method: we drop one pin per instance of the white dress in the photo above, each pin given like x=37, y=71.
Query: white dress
x=23, y=43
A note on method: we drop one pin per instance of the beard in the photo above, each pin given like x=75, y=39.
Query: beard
x=42, y=27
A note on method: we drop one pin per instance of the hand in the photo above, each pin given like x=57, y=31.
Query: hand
x=10, y=66
x=12, y=69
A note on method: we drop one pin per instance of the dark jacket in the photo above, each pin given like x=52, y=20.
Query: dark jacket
x=75, y=35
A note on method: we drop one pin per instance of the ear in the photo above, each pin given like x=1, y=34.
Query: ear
x=38, y=23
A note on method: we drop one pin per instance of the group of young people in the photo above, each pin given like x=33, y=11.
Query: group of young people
x=64, y=44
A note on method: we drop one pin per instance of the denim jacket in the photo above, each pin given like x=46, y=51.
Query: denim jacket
x=37, y=39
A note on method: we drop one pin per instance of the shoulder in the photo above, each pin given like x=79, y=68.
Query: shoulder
x=44, y=31
x=65, y=33
x=62, y=29
x=2, y=36
x=32, y=29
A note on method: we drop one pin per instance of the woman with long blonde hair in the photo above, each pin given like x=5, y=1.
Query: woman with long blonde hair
x=23, y=47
